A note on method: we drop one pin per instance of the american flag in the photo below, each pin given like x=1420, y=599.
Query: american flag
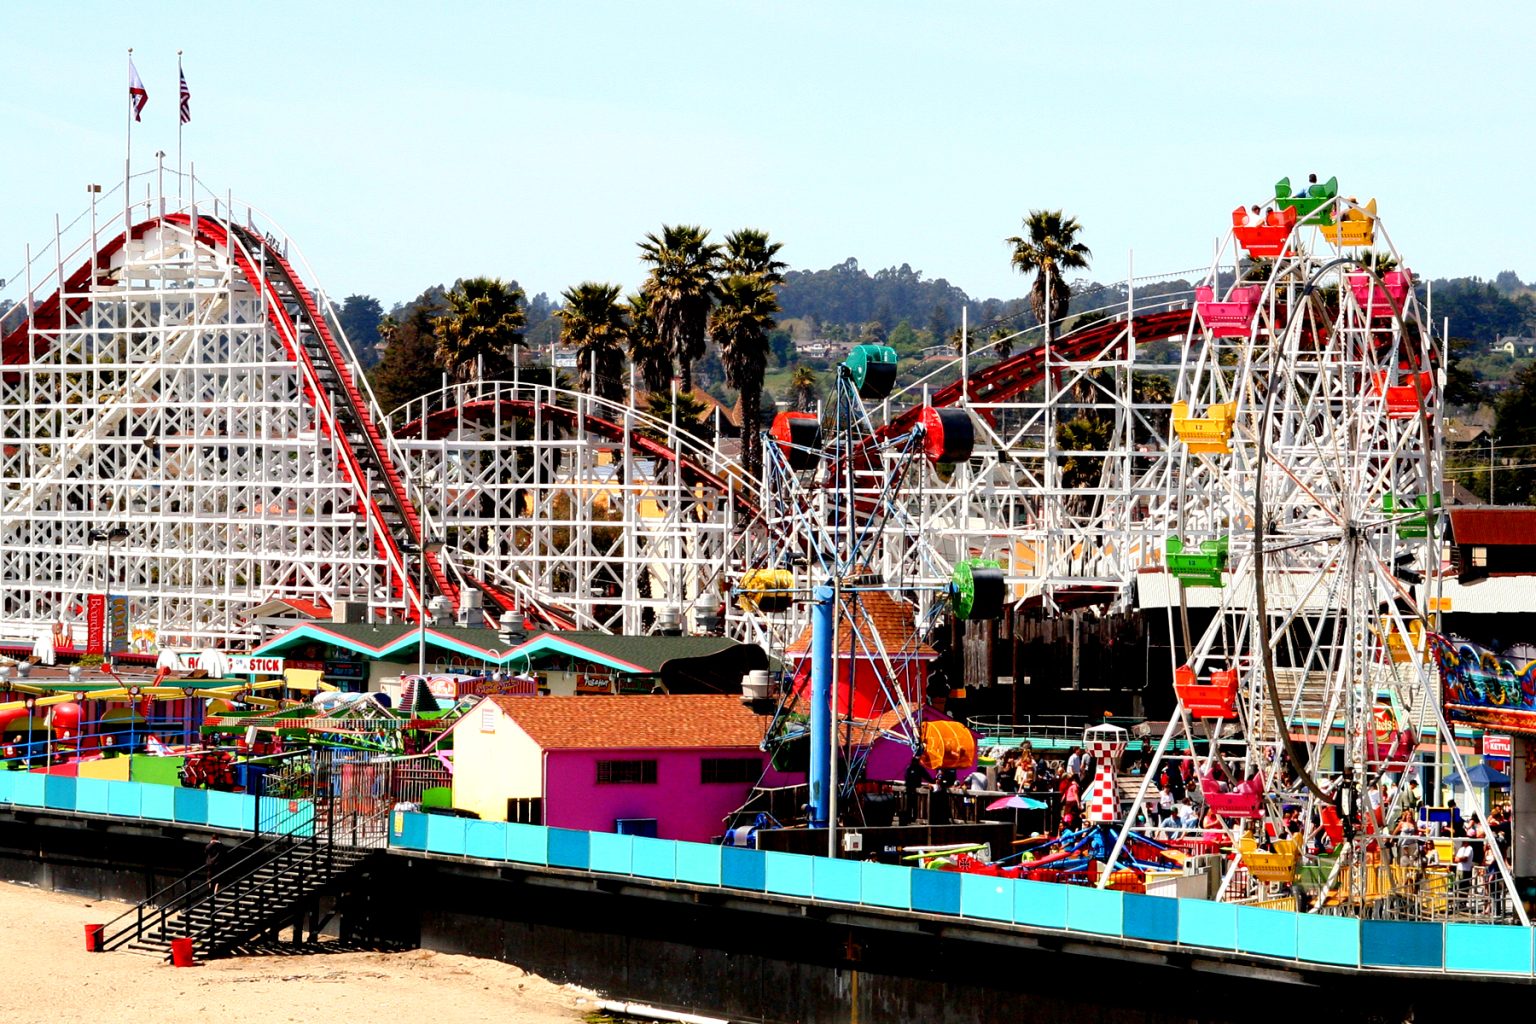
x=137, y=94
x=186, y=100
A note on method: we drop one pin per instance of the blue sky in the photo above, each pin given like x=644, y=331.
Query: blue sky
x=403, y=145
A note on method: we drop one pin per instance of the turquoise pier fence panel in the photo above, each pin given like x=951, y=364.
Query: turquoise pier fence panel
x=157, y=801
x=654, y=858
x=1488, y=948
x=7, y=786
x=408, y=831
x=886, y=885
x=698, y=863
x=742, y=869
x=788, y=873
x=1154, y=918
x=1328, y=940
x=1266, y=932
x=125, y=799
x=838, y=880
x=1203, y=923
x=29, y=790
x=189, y=806
x=91, y=796
x=527, y=843
x=445, y=834
x=229, y=810
x=1402, y=944
x=612, y=853
x=935, y=892
x=59, y=792
x=485, y=839
x=1043, y=904
x=1100, y=911
x=569, y=848
x=987, y=896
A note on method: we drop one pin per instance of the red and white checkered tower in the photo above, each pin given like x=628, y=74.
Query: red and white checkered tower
x=1105, y=743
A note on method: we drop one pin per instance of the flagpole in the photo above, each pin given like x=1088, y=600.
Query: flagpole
x=128, y=159
x=180, y=78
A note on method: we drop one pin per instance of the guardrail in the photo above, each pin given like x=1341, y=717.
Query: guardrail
x=1275, y=935
x=149, y=801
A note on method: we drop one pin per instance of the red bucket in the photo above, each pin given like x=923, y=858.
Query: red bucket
x=93, y=937
x=181, y=952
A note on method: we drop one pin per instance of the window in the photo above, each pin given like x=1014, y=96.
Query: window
x=618, y=773
x=1479, y=557
x=730, y=769
x=526, y=811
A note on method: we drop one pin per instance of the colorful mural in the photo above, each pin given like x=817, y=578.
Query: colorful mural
x=1485, y=686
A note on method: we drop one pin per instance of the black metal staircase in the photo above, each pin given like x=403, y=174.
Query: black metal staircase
x=321, y=829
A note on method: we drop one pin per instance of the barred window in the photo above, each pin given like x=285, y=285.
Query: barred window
x=615, y=773
x=526, y=810
x=730, y=769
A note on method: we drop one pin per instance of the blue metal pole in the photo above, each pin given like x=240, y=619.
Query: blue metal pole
x=823, y=608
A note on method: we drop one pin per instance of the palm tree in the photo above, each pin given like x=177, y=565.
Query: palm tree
x=806, y=387
x=740, y=326
x=592, y=321
x=1050, y=248
x=646, y=349
x=749, y=251
x=482, y=328
x=682, y=288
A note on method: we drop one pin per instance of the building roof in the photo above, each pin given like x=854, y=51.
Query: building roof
x=646, y=722
x=282, y=606
x=1493, y=525
x=639, y=655
x=635, y=655
x=1492, y=595
x=893, y=620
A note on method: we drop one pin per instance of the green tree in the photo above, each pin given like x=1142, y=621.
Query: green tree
x=482, y=329
x=1515, y=440
x=409, y=367
x=647, y=350
x=1048, y=247
x=805, y=386
x=360, y=316
x=682, y=287
x=740, y=324
x=592, y=322
x=750, y=252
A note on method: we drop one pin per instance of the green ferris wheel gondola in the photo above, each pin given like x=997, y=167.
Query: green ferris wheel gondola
x=977, y=589
x=873, y=370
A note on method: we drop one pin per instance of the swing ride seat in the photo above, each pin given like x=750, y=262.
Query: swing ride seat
x=1245, y=800
x=1316, y=207
x=1231, y=317
x=1425, y=509
x=1210, y=433
x=1403, y=399
x=1277, y=865
x=1265, y=240
x=1215, y=699
x=1199, y=568
x=1355, y=226
x=1381, y=299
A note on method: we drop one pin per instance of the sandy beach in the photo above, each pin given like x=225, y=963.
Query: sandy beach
x=44, y=941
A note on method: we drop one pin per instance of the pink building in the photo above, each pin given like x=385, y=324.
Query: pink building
x=671, y=766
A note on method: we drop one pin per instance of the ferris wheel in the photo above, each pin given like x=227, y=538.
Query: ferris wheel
x=1303, y=539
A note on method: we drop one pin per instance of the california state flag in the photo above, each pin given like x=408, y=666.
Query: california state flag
x=137, y=94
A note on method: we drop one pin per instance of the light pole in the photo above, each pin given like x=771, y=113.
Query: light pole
x=421, y=551
x=1492, y=441
x=108, y=536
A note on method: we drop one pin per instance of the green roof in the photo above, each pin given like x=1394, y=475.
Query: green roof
x=635, y=655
